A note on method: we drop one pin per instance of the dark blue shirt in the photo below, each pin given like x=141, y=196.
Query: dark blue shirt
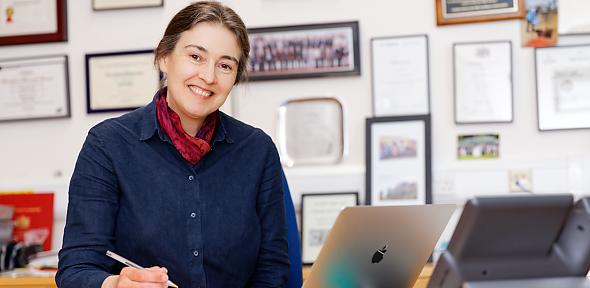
x=220, y=223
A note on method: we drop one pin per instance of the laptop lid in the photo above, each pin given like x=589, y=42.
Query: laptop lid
x=378, y=246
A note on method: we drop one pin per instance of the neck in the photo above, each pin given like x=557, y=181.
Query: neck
x=190, y=125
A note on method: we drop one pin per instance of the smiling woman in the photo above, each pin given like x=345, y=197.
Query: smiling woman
x=178, y=183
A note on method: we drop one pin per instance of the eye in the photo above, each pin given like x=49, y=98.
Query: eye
x=196, y=57
x=226, y=67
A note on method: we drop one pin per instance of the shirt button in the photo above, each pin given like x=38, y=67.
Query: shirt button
x=193, y=215
x=196, y=253
x=191, y=178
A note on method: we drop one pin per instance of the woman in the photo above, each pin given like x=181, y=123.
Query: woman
x=179, y=184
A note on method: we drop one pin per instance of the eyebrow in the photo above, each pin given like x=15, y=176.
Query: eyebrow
x=201, y=48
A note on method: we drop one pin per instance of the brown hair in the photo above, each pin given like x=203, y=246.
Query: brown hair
x=206, y=11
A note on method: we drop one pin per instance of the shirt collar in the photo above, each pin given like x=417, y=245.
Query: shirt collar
x=150, y=125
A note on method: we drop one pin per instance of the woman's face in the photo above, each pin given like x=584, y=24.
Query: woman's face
x=201, y=70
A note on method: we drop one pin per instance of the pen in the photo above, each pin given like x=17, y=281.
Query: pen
x=131, y=264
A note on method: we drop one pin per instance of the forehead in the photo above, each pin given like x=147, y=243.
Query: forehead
x=217, y=39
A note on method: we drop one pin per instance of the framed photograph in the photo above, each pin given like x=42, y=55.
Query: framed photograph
x=469, y=11
x=34, y=88
x=400, y=79
x=304, y=51
x=318, y=215
x=483, y=82
x=26, y=22
x=311, y=131
x=398, y=170
x=120, y=81
x=480, y=146
x=563, y=81
x=98, y=5
x=539, y=28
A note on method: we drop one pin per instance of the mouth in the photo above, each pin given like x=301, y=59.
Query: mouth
x=200, y=91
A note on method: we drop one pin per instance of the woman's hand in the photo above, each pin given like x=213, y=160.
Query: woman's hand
x=153, y=277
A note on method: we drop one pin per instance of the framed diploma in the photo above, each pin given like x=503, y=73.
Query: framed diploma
x=34, y=88
x=467, y=11
x=318, y=215
x=400, y=79
x=398, y=168
x=563, y=81
x=120, y=81
x=303, y=51
x=98, y=5
x=483, y=82
x=311, y=131
x=32, y=21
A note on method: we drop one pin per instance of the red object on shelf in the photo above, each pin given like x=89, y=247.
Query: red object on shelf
x=33, y=217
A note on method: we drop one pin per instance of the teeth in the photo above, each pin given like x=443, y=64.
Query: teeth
x=200, y=91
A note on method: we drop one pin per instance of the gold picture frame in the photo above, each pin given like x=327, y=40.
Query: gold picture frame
x=469, y=11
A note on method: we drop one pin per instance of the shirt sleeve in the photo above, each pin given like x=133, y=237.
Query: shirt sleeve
x=272, y=267
x=90, y=222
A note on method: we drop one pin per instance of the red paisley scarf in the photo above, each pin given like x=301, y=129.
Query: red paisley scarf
x=191, y=148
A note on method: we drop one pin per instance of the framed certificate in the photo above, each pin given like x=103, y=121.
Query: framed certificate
x=32, y=21
x=34, y=88
x=467, y=11
x=563, y=81
x=483, y=82
x=311, y=131
x=120, y=81
x=98, y=5
x=400, y=78
x=313, y=50
x=573, y=17
x=398, y=168
x=318, y=214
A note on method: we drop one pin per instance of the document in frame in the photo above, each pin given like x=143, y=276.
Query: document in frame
x=34, y=88
x=483, y=82
x=400, y=75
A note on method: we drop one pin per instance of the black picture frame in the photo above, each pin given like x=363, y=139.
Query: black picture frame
x=413, y=155
x=324, y=235
x=308, y=53
x=61, y=35
x=62, y=104
x=558, y=111
x=456, y=101
x=147, y=4
x=147, y=95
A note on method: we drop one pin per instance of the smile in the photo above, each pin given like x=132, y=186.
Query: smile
x=200, y=91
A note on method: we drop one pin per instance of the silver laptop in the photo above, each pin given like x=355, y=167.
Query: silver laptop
x=378, y=246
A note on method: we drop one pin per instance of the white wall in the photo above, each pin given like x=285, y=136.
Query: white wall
x=41, y=155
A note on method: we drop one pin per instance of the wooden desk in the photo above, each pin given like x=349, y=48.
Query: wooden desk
x=422, y=281
x=28, y=282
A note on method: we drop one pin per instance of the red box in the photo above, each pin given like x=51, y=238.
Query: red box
x=33, y=217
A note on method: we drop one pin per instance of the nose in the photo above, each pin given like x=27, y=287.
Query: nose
x=207, y=73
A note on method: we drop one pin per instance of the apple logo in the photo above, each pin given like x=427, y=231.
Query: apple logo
x=378, y=256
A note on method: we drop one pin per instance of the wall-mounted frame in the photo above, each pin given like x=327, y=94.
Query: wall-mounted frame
x=311, y=131
x=304, y=51
x=34, y=88
x=99, y=5
x=120, y=81
x=398, y=167
x=28, y=22
x=562, y=84
x=400, y=79
x=573, y=17
x=318, y=214
x=483, y=82
x=469, y=11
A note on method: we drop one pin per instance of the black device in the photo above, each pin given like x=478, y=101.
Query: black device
x=517, y=237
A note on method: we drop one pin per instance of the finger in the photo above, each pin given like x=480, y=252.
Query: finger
x=138, y=275
x=127, y=283
x=158, y=269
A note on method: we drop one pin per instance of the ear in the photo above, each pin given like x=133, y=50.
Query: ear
x=162, y=64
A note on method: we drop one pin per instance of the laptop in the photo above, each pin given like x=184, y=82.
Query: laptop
x=378, y=246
